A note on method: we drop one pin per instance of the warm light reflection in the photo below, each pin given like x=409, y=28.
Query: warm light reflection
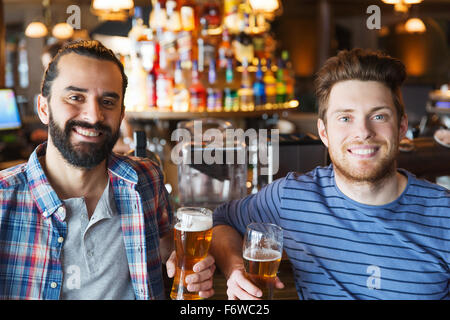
x=265, y=5
x=415, y=25
x=62, y=31
x=36, y=30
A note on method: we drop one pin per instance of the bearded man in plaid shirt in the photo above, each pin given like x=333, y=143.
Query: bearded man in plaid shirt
x=78, y=221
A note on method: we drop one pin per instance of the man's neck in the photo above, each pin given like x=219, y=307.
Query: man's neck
x=378, y=193
x=71, y=182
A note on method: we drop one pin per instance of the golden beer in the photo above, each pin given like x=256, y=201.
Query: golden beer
x=192, y=236
x=261, y=266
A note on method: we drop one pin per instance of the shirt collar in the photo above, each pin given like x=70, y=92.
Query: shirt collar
x=45, y=196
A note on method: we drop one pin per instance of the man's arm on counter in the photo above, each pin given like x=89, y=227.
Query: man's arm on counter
x=230, y=222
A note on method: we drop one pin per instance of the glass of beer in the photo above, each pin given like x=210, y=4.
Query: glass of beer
x=262, y=250
x=192, y=233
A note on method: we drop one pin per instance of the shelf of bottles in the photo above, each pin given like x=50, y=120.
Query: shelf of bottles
x=205, y=58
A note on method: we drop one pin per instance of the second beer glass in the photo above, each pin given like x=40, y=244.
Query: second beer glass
x=193, y=233
x=262, y=250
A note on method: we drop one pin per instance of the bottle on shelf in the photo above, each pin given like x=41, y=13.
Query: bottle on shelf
x=231, y=15
x=151, y=78
x=224, y=50
x=206, y=48
x=197, y=91
x=230, y=98
x=243, y=43
x=289, y=76
x=189, y=15
x=212, y=14
x=180, y=91
x=245, y=92
x=270, y=85
x=259, y=89
x=280, y=84
x=163, y=82
x=158, y=15
x=214, y=94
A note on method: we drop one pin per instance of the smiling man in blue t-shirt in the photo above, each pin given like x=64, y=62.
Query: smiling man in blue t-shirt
x=360, y=228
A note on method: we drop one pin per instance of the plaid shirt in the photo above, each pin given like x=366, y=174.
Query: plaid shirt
x=32, y=228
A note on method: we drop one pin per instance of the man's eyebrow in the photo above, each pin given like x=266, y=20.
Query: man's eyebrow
x=73, y=88
x=350, y=110
x=110, y=94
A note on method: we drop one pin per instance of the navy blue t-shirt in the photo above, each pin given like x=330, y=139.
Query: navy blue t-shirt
x=342, y=249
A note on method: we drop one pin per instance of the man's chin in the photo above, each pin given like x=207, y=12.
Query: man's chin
x=367, y=174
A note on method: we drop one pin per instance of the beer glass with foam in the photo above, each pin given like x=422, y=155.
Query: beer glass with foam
x=192, y=233
x=262, y=250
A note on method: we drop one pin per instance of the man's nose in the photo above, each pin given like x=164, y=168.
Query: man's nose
x=93, y=111
x=364, y=129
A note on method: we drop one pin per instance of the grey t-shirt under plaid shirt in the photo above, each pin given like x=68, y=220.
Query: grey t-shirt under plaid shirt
x=94, y=260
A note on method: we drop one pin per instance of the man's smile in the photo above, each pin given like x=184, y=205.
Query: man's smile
x=363, y=151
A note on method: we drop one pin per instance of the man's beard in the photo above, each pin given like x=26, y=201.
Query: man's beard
x=375, y=172
x=85, y=155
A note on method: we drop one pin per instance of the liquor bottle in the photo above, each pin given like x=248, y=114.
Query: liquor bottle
x=206, y=48
x=214, y=94
x=173, y=22
x=136, y=33
x=151, y=78
x=230, y=98
x=136, y=97
x=164, y=84
x=212, y=14
x=280, y=84
x=245, y=92
x=167, y=36
x=180, y=91
x=231, y=15
x=189, y=16
x=197, y=91
x=270, y=84
x=243, y=43
x=259, y=89
x=224, y=51
x=158, y=15
x=289, y=76
x=185, y=38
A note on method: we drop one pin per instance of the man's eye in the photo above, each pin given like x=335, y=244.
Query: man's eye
x=75, y=98
x=379, y=117
x=108, y=103
x=344, y=119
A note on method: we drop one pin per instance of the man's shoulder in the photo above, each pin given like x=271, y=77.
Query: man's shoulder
x=319, y=176
x=13, y=177
x=143, y=167
x=423, y=193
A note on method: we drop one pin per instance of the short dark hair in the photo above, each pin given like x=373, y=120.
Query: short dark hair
x=89, y=48
x=364, y=65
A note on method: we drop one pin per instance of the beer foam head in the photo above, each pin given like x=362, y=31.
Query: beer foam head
x=262, y=254
x=193, y=221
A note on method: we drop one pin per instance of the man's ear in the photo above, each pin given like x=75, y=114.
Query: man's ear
x=43, y=109
x=403, y=127
x=321, y=128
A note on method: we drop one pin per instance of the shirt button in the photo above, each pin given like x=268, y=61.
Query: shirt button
x=53, y=285
x=61, y=210
x=60, y=240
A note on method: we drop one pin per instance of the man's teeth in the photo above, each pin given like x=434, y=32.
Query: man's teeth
x=363, y=151
x=87, y=132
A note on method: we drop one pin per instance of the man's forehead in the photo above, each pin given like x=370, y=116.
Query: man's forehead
x=75, y=61
x=356, y=93
x=78, y=70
